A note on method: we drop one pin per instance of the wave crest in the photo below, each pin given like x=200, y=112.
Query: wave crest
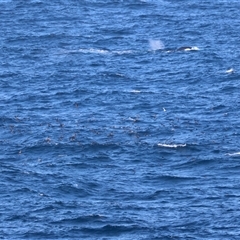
x=171, y=145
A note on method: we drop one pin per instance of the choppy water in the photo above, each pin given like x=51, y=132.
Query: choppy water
x=108, y=132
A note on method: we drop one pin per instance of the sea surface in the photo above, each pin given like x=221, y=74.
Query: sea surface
x=109, y=129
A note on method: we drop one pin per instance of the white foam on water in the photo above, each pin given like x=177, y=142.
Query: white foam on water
x=122, y=52
x=103, y=51
x=230, y=70
x=171, y=145
x=135, y=91
x=93, y=50
x=234, y=154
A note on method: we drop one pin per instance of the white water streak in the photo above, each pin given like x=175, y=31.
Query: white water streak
x=171, y=145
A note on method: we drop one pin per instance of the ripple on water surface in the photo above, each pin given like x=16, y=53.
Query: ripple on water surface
x=123, y=127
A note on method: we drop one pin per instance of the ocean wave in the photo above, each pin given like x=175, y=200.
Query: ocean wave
x=96, y=218
x=236, y=154
x=112, y=229
x=171, y=145
x=135, y=91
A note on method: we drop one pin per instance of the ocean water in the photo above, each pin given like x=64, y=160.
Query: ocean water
x=108, y=130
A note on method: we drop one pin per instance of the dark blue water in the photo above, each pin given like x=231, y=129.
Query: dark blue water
x=107, y=131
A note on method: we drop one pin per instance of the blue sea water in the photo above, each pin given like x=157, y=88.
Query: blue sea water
x=107, y=131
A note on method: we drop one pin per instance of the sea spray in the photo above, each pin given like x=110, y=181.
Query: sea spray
x=156, y=44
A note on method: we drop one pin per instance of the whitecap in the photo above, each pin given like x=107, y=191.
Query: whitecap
x=230, y=70
x=171, y=145
x=135, y=91
x=234, y=154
